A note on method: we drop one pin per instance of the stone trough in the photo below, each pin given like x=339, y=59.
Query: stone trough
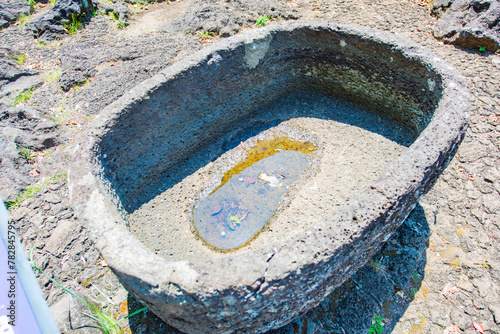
x=155, y=138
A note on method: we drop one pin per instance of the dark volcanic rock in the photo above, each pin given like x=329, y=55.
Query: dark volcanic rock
x=27, y=128
x=470, y=24
x=440, y=6
x=121, y=66
x=11, y=10
x=50, y=25
x=225, y=18
x=70, y=79
x=10, y=70
x=22, y=128
x=119, y=9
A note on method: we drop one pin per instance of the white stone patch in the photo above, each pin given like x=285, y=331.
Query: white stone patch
x=216, y=58
x=342, y=43
x=256, y=50
x=432, y=84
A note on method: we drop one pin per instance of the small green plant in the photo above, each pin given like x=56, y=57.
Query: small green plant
x=27, y=154
x=78, y=86
x=73, y=25
x=120, y=24
x=24, y=96
x=23, y=20
x=377, y=326
x=413, y=292
x=53, y=76
x=263, y=20
x=20, y=58
x=105, y=322
x=32, y=3
x=52, y=2
x=415, y=277
x=61, y=115
x=206, y=34
x=486, y=265
x=375, y=265
x=482, y=48
x=40, y=43
x=31, y=190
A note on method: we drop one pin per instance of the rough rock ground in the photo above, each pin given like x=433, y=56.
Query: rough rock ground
x=473, y=24
x=455, y=285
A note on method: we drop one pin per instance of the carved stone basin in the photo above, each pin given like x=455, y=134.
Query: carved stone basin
x=135, y=150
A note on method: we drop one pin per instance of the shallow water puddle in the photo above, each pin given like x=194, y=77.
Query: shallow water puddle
x=250, y=193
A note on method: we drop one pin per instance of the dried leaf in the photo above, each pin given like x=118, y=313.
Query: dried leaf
x=479, y=327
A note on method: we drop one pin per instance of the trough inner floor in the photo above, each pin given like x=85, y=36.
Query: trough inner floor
x=357, y=145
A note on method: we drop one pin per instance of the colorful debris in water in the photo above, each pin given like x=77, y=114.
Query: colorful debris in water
x=250, y=193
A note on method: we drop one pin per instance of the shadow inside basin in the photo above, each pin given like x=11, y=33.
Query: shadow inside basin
x=384, y=287
x=305, y=103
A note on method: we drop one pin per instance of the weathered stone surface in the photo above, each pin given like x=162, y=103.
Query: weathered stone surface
x=470, y=24
x=119, y=9
x=163, y=121
x=117, y=67
x=226, y=18
x=22, y=127
x=10, y=70
x=69, y=79
x=51, y=25
x=11, y=10
x=23, y=84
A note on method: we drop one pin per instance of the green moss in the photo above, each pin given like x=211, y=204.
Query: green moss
x=32, y=190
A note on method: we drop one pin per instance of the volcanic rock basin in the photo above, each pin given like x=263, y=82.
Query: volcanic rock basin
x=385, y=117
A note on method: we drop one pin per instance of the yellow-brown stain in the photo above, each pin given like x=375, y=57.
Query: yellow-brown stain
x=422, y=293
x=263, y=149
x=419, y=328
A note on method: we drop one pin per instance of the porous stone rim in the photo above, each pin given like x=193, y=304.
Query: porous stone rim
x=185, y=295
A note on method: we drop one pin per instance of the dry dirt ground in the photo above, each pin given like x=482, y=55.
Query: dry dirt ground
x=454, y=289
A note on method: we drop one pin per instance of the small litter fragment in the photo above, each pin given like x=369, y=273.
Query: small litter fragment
x=103, y=263
x=282, y=176
x=479, y=327
x=272, y=180
x=250, y=180
x=241, y=215
x=235, y=222
x=223, y=233
x=216, y=210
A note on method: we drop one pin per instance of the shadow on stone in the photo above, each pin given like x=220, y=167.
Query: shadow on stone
x=384, y=287
x=298, y=104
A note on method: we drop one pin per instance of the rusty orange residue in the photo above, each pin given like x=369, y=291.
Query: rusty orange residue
x=123, y=307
